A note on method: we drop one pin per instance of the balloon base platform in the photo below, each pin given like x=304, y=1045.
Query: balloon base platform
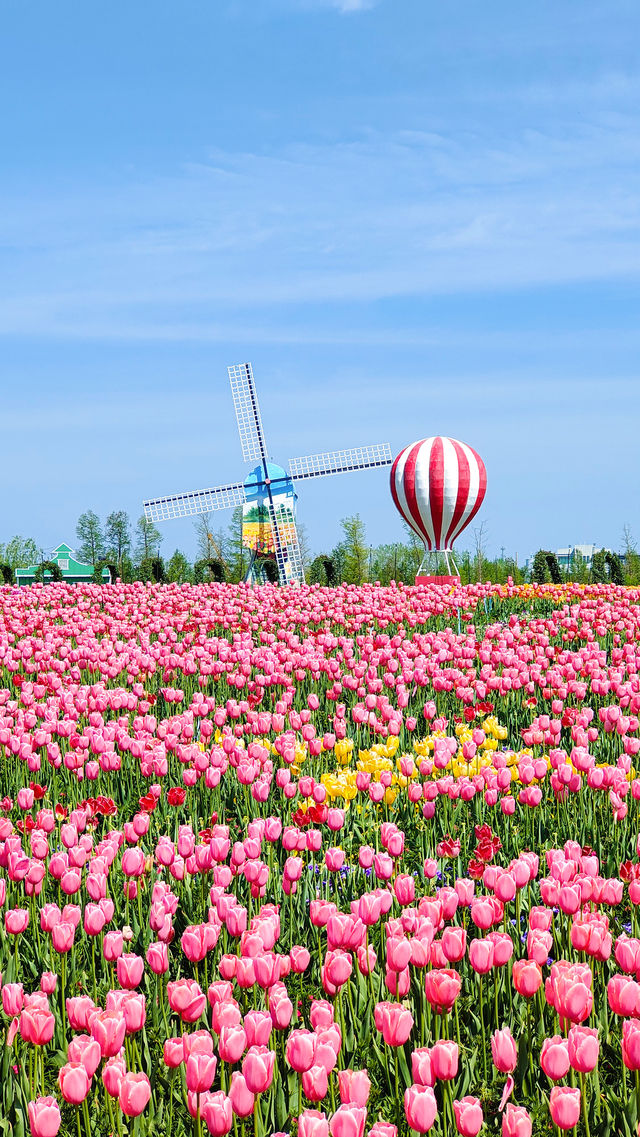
x=437, y=580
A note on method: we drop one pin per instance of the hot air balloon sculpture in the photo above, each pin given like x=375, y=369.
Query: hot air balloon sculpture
x=438, y=486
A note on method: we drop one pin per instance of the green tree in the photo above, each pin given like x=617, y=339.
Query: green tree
x=322, y=571
x=355, y=550
x=545, y=567
x=606, y=566
x=179, y=570
x=630, y=556
x=91, y=538
x=127, y=569
x=577, y=569
x=512, y=569
x=236, y=556
x=384, y=563
x=306, y=556
x=118, y=541
x=480, y=542
x=48, y=571
x=20, y=552
x=207, y=572
x=413, y=549
x=150, y=568
x=149, y=539
x=207, y=544
x=598, y=567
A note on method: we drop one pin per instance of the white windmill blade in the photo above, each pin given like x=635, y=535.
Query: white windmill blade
x=247, y=408
x=340, y=461
x=285, y=540
x=288, y=529
x=200, y=501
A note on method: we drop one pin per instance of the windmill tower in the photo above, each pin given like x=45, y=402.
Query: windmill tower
x=267, y=495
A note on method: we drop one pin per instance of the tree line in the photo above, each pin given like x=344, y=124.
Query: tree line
x=132, y=552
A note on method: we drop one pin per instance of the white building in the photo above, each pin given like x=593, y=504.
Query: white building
x=566, y=555
x=584, y=553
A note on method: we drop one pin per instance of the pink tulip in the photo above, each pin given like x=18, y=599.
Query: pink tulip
x=355, y=1087
x=173, y=1052
x=109, y=1029
x=422, y=1067
x=631, y=1044
x=112, y=946
x=481, y=955
x=200, y=1072
x=16, y=921
x=232, y=1043
x=442, y=988
x=420, y=1108
x=258, y=1026
x=315, y=1082
x=516, y=1122
x=79, y=1010
x=186, y=999
x=240, y=1096
x=44, y=1117
x=444, y=1060
x=134, y=1094
x=84, y=1049
x=130, y=970
x=257, y=1068
x=300, y=1050
x=468, y=1116
x=504, y=1051
x=157, y=957
x=348, y=1121
x=584, y=1048
x=527, y=977
x=12, y=999
x=394, y=1022
x=313, y=1123
x=454, y=944
x=554, y=1057
x=564, y=1107
x=74, y=1082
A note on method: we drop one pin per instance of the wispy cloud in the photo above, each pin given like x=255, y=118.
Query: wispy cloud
x=352, y=5
x=398, y=213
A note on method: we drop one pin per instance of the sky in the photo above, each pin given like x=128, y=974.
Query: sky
x=413, y=218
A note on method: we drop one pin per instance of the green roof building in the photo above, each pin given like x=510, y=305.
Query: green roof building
x=73, y=571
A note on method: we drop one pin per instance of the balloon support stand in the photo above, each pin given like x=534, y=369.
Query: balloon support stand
x=438, y=559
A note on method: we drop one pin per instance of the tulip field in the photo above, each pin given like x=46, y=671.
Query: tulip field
x=319, y=861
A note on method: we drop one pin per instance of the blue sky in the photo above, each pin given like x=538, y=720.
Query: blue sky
x=414, y=218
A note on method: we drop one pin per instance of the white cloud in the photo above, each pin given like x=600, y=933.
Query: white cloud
x=405, y=213
x=353, y=5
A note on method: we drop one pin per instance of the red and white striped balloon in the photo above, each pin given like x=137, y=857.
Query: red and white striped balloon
x=438, y=485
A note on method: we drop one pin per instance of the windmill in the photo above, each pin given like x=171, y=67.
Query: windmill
x=267, y=495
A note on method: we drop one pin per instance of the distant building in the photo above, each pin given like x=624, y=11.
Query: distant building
x=565, y=557
x=73, y=571
x=585, y=553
